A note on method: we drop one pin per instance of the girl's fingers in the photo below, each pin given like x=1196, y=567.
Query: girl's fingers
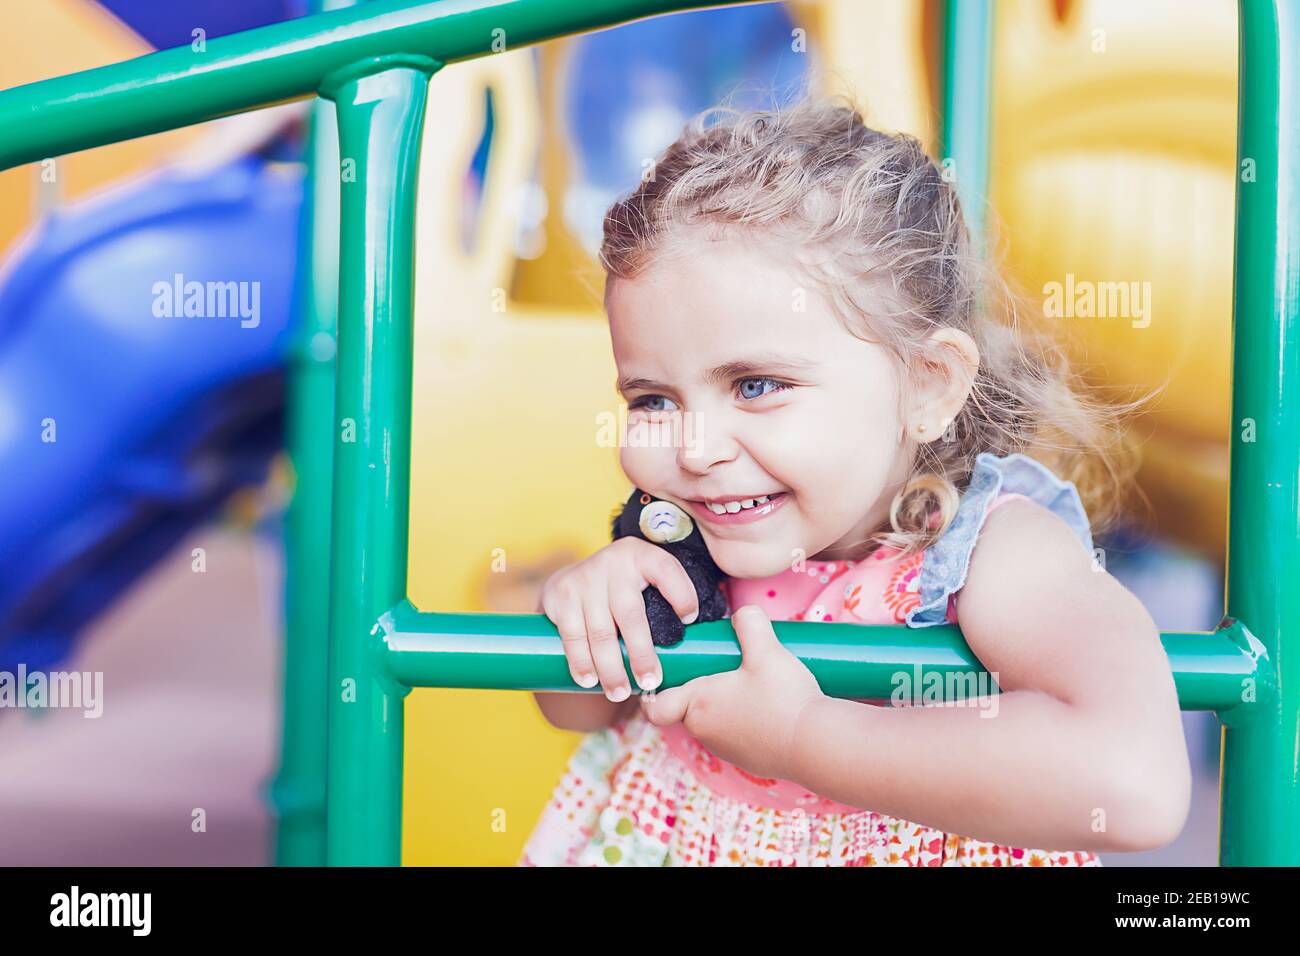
x=627, y=604
x=569, y=621
x=660, y=568
x=602, y=638
x=668, y=706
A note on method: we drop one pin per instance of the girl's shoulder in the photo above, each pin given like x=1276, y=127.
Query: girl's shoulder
x=994, y=481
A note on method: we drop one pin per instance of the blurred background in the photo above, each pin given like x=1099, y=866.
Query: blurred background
x=146, y=542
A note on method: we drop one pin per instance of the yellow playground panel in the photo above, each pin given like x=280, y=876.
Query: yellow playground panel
x=1114, y=161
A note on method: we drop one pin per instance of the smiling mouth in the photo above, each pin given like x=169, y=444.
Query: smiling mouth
x=737, y=505
x=737, y=510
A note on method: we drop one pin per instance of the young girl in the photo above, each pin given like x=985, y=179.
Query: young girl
x=869, y=430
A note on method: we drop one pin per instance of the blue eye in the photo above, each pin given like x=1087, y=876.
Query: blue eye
x=778, y=386
x=651, y=403
x=647, y=402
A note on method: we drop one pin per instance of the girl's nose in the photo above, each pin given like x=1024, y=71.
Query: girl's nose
x=705, y=442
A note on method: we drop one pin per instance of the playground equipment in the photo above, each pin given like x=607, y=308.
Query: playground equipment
x=160, y=428
x=374, y=63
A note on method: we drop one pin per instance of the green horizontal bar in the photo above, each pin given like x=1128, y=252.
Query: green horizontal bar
x=281, y=62
x=523, y=652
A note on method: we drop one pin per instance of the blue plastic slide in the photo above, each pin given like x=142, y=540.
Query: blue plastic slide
x=142, y=342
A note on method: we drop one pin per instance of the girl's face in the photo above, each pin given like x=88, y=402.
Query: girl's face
x=741, y=382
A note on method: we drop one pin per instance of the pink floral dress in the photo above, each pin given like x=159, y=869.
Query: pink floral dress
x=639, y=795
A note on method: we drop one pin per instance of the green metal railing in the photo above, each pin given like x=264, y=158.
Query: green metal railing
x=374, y=62
x=298, y=792
x=967, y=104
x=1260, y=812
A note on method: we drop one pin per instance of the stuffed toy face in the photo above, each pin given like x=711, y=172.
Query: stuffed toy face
x=667, y=525
x=663, y=522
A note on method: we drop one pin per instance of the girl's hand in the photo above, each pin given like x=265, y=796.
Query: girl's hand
x=747, y=716
x=588, y=600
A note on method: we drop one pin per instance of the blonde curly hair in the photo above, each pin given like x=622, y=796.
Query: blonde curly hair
x=872, y=222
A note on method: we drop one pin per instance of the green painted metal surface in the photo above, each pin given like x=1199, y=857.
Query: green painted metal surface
x=1260, y=786
x=280, y=62
x=380, y=122
x=523, y=652
x=298, y=792
x=967, y=109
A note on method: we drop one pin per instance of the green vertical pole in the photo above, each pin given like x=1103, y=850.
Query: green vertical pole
x=967, y=95
x=299, y=790
x=298, y=794
x=1260, y=786
x=380, y=119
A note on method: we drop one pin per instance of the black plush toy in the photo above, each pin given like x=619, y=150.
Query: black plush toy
x=667, y=525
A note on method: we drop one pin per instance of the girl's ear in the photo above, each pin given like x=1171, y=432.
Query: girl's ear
x=946, y=376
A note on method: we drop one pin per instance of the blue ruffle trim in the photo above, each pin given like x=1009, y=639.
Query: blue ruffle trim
x=944, y=566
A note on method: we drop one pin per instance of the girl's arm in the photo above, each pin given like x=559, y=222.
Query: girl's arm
x=583, y=712
x=1085, y=749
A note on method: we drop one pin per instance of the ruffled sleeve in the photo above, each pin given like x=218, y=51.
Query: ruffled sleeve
x=944, y=566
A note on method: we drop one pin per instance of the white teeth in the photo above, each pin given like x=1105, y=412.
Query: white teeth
x=731, y=507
